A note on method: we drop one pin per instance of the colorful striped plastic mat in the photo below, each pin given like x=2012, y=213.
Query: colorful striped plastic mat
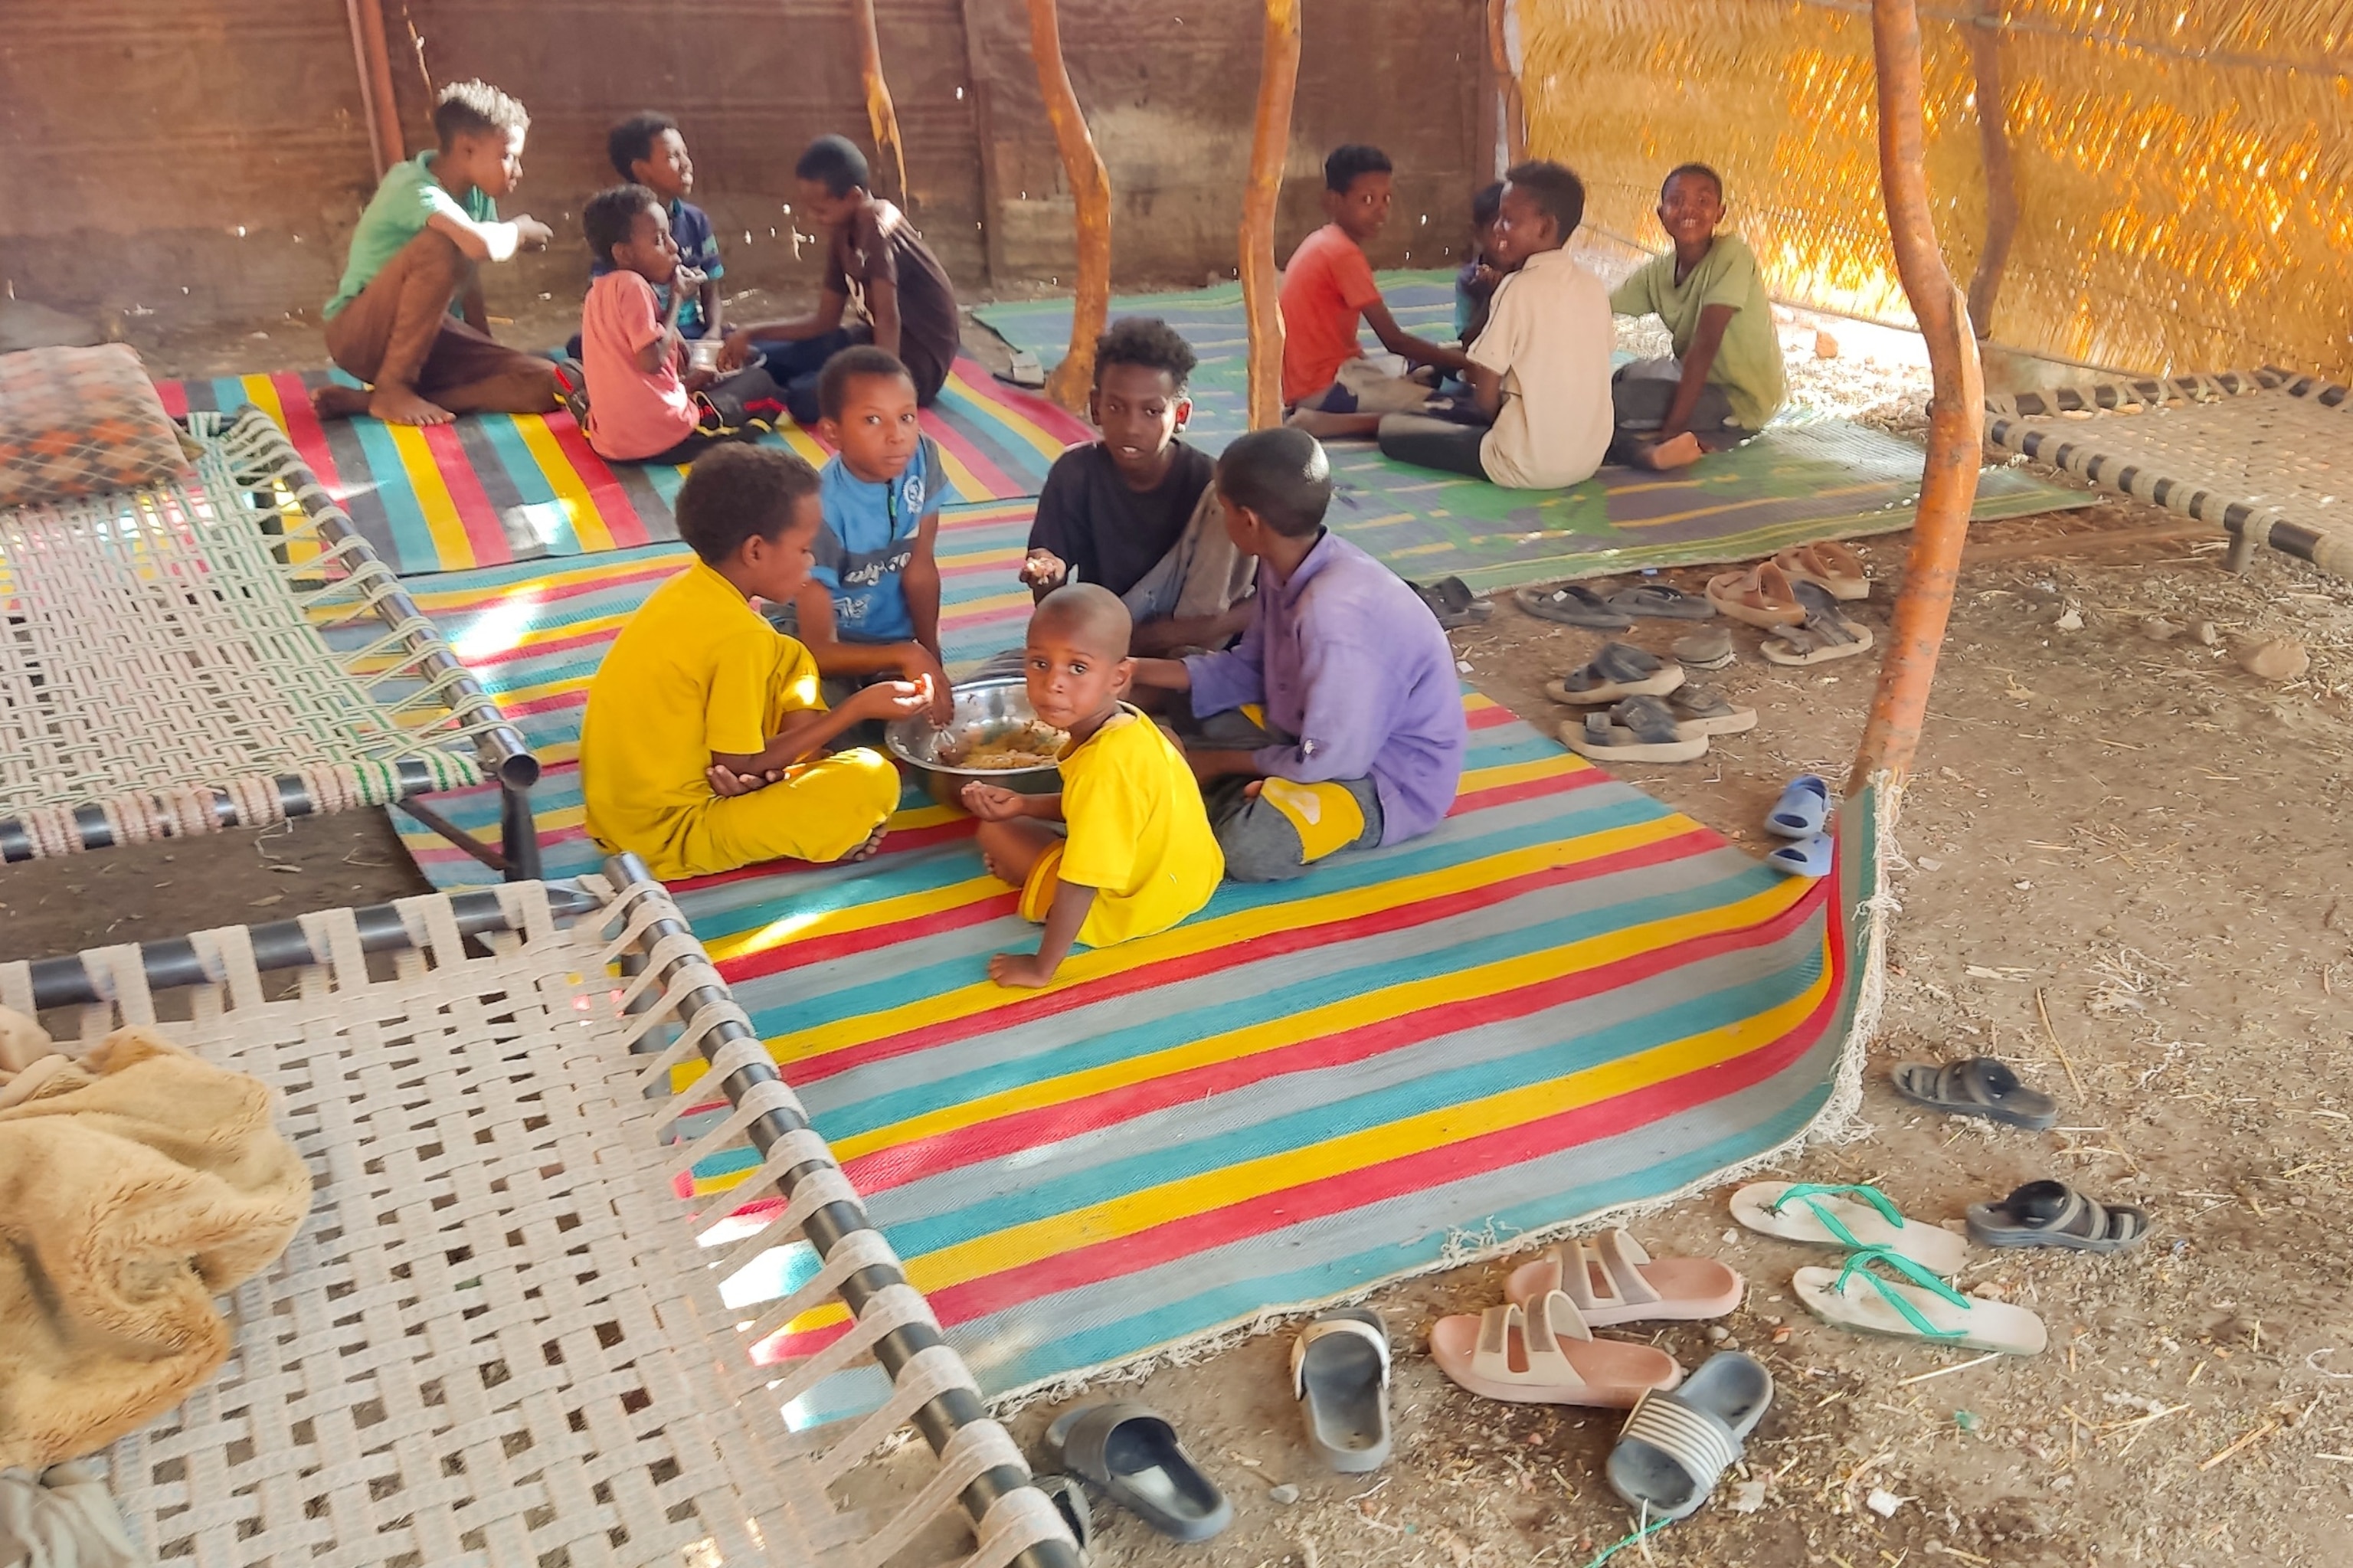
x=496, y=488
x=1806, y=478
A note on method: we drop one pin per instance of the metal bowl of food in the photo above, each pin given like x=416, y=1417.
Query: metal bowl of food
x=992, y=735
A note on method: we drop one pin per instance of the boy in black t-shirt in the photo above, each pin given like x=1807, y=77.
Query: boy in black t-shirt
x=1135, y=512
x=875, y=260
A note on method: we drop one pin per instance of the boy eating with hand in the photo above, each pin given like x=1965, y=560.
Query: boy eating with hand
x=642, y=408
x=1139, y=855
x=647, y=149
x=704, y=747
x=408, y=318
x=1726, y=377
x=1363, y=737
x=871, y=605
x=1135, y=512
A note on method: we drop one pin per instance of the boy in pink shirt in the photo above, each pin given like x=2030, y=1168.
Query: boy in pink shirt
x=644, y=405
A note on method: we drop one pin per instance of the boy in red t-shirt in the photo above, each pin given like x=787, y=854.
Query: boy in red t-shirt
x=1328, y=285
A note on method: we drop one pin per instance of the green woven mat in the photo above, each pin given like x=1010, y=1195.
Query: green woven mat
x=1800, y=481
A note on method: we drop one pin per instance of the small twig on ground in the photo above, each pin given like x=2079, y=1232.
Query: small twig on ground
x=1957, y=1366
x=2044, y=1009
x=2265, y=1430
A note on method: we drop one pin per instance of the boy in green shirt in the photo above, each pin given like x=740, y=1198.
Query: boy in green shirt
x=409, y=319
x=1726, y=376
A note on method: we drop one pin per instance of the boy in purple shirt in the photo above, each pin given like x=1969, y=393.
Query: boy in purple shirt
x=1363, y=734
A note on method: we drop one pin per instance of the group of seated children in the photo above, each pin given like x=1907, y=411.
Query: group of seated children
x=1537, y=405
x=409, y=322
x=1335, y=723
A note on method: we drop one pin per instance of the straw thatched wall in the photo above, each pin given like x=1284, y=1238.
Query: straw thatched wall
x=2181, y=166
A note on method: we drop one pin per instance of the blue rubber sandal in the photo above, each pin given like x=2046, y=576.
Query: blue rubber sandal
x=1808, y=857
x=1802, y=809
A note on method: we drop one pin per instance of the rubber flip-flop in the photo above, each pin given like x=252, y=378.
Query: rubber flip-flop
x=1702, y=710
x=1612, y=1280
x=1832, y=564
x=1571, y=604
x=1451, y=600
x=2053, y=1214
x=1069, y=1501
x=1660, y=601
x=1340, y=1375
x=1676, y=1447
x=1804, y=809
x=1132, y=1453
x=1544, y=1354
x=1639, y=729
x=1761, y=596
x=1828, y=633
x=1919, y=1305
x=1806, y=857
x=1618, y=671
x=1979, y=1086
x=1709, y=648
x=1830, y=1216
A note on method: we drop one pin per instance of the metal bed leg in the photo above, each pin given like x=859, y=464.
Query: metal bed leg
x=518, y=834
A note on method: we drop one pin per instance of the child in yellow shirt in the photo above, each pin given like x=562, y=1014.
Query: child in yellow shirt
x=1139, y=855
x=703, y=746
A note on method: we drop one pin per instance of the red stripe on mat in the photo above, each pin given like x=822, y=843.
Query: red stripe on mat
x=604, y=493
x=303, y=428
x=1001, y=486
x=923, y=1156
x=1195, y=965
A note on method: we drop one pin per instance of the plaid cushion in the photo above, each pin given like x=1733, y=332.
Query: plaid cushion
x=76, y=421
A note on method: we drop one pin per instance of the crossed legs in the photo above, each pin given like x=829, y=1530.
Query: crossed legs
x=424, y=365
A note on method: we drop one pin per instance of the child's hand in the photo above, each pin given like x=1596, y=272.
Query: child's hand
x=686, y=280
x=1045, y=570
x=1020, y=971
x=888, y=700
x=924, y=670
x=734, y=351
x=531, y=234
x=990, y=802
x=727, y=782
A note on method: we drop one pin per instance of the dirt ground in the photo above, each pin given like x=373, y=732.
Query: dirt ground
x=2125, y=871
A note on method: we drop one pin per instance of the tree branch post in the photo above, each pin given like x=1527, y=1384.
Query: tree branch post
x=1090, y=183
x=1261, y=195
x=1514, y=108
x=2000, y=174
x=881, y=115
x=1948, y=481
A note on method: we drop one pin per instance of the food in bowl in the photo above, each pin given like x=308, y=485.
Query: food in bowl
x=1032, y=744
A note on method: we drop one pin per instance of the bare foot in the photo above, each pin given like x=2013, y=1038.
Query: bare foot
x=866, y=851
x=1329, y=427
x=988, y=864
x=338, y=402
x=400, y=405
x=1678, y=451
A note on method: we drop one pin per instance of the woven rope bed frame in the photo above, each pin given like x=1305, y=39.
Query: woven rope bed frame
x=495, y=1341
x=2264, y=454
x=226, y=651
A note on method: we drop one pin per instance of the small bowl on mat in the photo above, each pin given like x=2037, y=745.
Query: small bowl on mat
x=985, y=711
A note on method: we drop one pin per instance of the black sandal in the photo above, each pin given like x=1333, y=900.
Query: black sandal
x=1980, y=1086
x=2053, y=1214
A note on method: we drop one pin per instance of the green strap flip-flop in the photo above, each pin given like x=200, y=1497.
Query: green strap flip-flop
x=1845, y=1216
x=1919, y=1305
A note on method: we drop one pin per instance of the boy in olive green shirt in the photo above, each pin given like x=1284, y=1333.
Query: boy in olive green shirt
x=1725, y=376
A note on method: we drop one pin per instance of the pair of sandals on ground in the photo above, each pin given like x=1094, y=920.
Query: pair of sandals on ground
x=1794, y=598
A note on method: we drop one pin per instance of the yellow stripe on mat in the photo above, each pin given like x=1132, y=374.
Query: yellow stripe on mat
x=451, y=547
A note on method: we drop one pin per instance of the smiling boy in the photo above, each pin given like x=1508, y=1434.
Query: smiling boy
x=875, y=260
x=413, y=254
x=1726, y=373
x=1134, y=511
x=1138, y=856
x=1326, y=288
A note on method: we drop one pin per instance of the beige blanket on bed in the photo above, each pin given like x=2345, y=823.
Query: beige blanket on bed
x=135, y=1185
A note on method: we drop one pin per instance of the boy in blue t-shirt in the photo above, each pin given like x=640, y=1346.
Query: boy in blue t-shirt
x=871, y=605
x=647, y=149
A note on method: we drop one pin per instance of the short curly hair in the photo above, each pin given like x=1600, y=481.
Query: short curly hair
x=610, y=215
x=735, y=492
x=1149, y=341
x=634, y=138
x=472, y=108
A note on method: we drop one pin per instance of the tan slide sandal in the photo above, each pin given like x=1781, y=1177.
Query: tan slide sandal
x=1611, y=1279
x=1545, y=1355
x=1832, y=564
x=1761, y=596
x=1918, y=1307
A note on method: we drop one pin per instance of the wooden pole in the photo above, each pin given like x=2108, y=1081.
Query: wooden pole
x=1515, y=109
x=881, y=115
x=374, y=58
x=1090, y=183
x=1948, y=481
x=2000, y=176
x=1261, y=194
